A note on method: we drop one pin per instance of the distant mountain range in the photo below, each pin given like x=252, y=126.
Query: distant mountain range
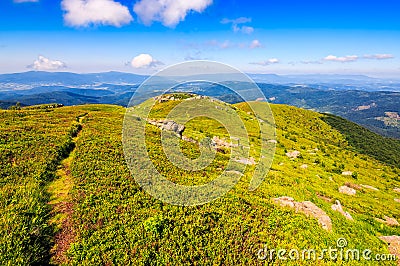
x=371, y=102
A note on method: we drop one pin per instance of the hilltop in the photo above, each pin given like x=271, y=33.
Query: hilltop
x=67, y=195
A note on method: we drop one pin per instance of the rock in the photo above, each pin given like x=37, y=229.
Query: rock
x=216, y=141
x=353, y=186
x=323, y=197
x=168, y=125
x=394, y=245
x=308, y=208
x=347, y=190
x=347, y=173
x=246, y=161
x=189, y=139
x=397, y=190
x=304, y=166
x=388, y=221
x=272, y=141
x=285, y=201
x=338, y=207
x=370, y=187
x=293, y=154
x=280, y=164
x=397, y=200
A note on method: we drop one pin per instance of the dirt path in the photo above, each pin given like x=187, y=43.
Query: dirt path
x=62, y=205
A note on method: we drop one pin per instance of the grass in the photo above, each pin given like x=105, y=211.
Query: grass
x=117, y=223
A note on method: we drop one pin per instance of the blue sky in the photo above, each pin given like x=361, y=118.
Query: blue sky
x=265, y=36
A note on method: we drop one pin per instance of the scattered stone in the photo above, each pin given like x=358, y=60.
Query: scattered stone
x=323, y=197
x=394, y=245
x=293, y=154
x=338, y=207
x=246, y=161
x=189, y=139
x=330, y=179
x=168, y=125
x=347, y=173
x=165, y=98
x=353, y=186
x=347, y=190
x=388, y=221
x=397, y=200
x=216, y=141
x=272, y=141
x=370, y=187
x=308, y=208
x=304, y=166
x=397, y=190
x=280, y=164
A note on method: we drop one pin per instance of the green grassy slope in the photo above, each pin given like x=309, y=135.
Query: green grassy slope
x=32, y=143
x=116, y=222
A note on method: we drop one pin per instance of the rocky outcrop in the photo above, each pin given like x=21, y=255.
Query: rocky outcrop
x=168, y=125
x=338, y=207
x=347, y=190
x=308, y=208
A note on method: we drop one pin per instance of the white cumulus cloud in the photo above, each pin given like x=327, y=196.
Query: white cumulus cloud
x=268, y=62
x=144, y=61
x=83, y=13
x=255, y=44
x=168, y=12
x=342, y=59
x=379, y=56
x=43, y=63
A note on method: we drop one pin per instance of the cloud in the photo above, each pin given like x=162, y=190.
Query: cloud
x=83, y=13
x=144, y=61
x=378, y=56
x=168, y=12
x=255, y=44
x=236, y=21
x=311, y=62
x=343, y=59
x=43, y=63
x=25, y=1
x=236, y=24
x=247, y=30
x=223, y=45
x=268, y=62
